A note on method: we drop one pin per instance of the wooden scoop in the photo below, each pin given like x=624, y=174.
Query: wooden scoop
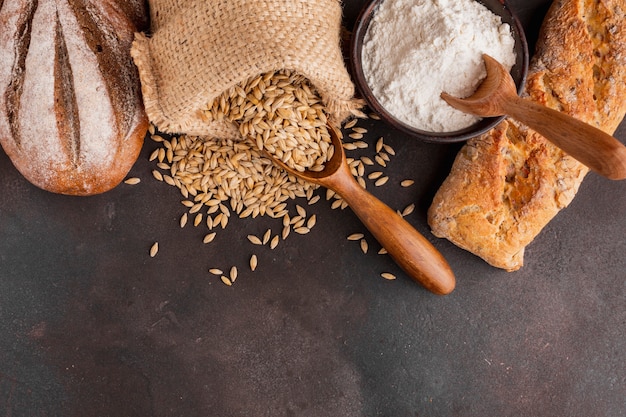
x=411, y=251
x=497, y=96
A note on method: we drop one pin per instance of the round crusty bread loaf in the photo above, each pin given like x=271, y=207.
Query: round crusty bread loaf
x=71, y=114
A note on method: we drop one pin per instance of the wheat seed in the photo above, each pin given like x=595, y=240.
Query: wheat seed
x=266, y=236
x=154, y=249
x=311, y=222
x=379, y=144
x=389, y=149
x=254, y=240
x=350, y=124
x=364, y=245
x=132, y=181
x=381, y=181
x=367, y=160
x=408, y=210
x=336, y=204
x=285, y=232
x=209, y=238
x=169, y=180
x=356, y=236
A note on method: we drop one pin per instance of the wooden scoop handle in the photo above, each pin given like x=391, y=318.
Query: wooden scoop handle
x=409, y=249
x=598, y=150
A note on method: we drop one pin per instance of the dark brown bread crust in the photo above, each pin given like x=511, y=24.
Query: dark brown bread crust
x=71, y=114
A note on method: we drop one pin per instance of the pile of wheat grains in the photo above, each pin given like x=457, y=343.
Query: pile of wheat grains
x=280, y=114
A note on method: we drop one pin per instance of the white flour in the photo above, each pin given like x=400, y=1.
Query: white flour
x=415, y=49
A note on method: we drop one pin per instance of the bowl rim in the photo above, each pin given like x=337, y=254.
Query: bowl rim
x=355, y=53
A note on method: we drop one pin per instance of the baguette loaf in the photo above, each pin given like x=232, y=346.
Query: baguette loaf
x=506, y=185
x=71, y=114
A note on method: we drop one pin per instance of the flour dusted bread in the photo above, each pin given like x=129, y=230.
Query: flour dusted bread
x=506, y=185
x=71, y=114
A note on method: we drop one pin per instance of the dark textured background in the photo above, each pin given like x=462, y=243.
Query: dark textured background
x=90, y=325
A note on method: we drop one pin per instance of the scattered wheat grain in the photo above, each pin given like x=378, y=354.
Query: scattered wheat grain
x=381, y=181
x=350, y=124
x=267, y=236
x=254, y=240
x=408, y=210
x=311, y=222
x=356, y=236
x=364, y=245
x=209, y=238
x=154, y=249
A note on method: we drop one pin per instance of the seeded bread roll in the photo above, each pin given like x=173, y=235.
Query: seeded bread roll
x=71, y=115
x=506, y=185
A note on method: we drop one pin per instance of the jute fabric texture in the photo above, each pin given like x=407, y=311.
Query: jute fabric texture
x=198, y=49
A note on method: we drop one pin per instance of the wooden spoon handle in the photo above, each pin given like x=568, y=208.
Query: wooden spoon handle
x=598, y=150
x=410, y=250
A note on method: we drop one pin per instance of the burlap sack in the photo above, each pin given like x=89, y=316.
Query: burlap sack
x=200, y=48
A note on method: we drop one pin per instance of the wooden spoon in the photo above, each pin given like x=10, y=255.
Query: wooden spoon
x=411, y=251
x=497, y=96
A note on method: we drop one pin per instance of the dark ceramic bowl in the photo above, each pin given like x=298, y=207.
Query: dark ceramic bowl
x=518, y=73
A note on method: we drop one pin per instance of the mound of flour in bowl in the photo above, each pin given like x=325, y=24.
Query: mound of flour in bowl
x=415, y=49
